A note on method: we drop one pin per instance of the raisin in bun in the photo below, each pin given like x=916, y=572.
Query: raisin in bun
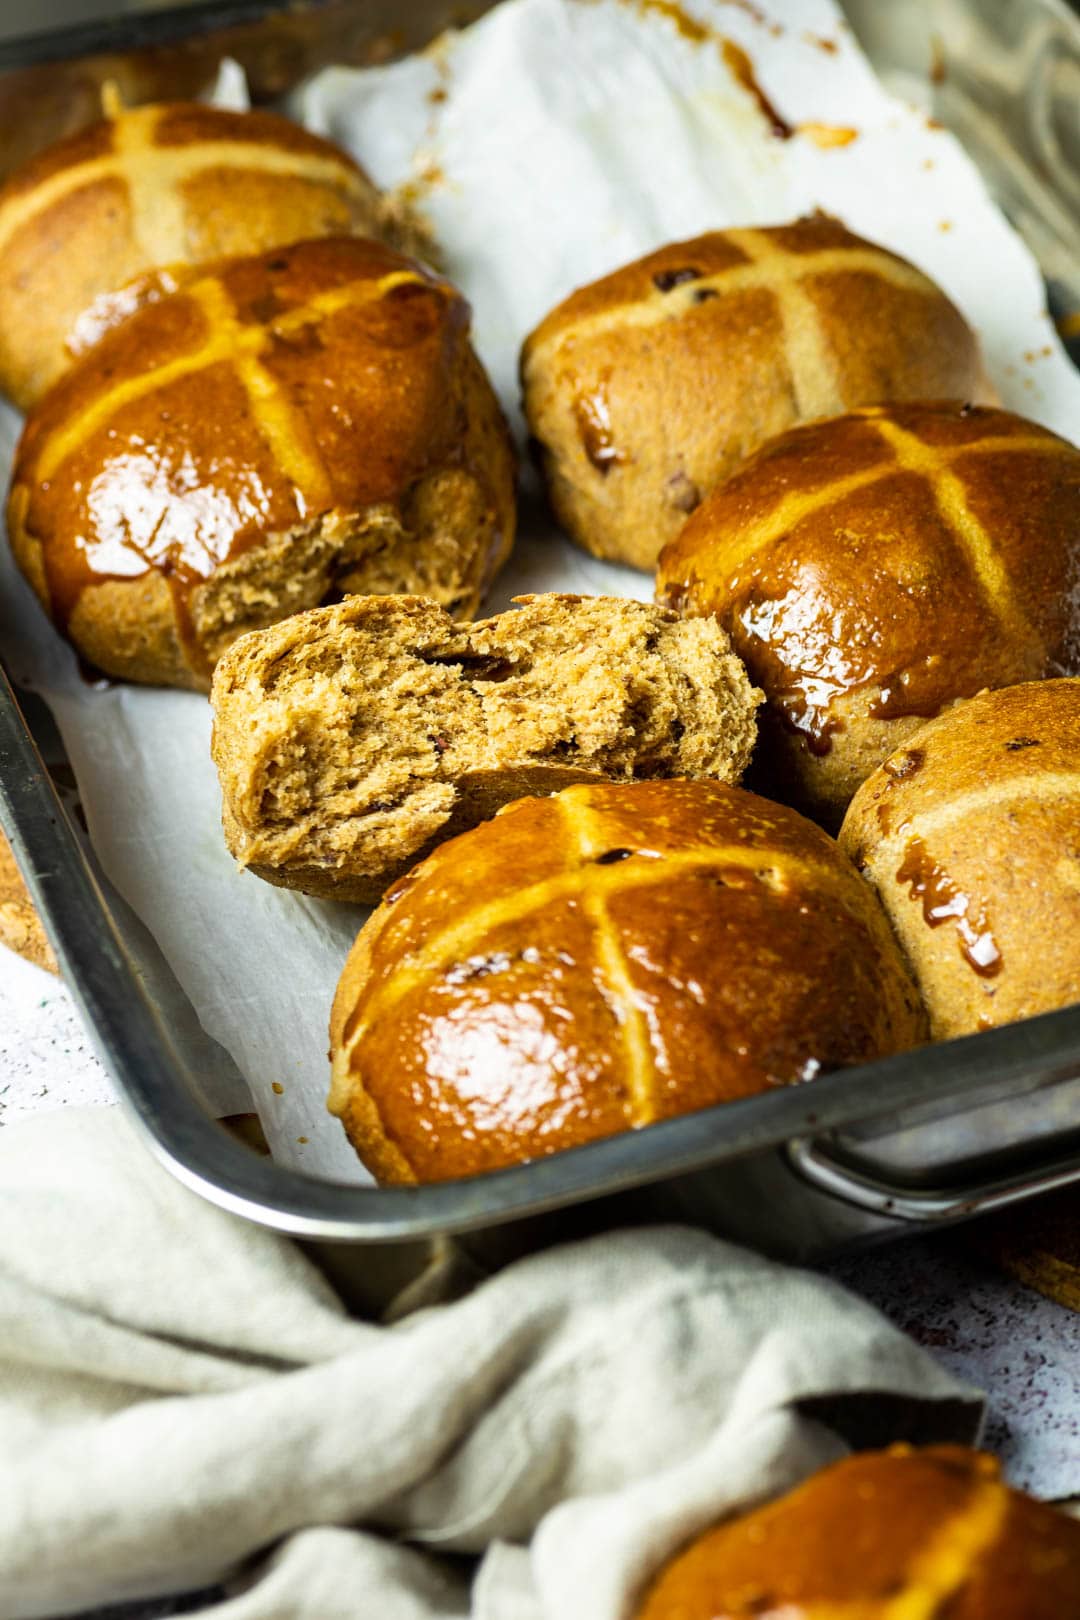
x=600, y=959
x=647, y=388
x=352, y=739
x=971, y=836
x=885, y=1535
x=874, y=568
x=96, y=225
x=308, y=422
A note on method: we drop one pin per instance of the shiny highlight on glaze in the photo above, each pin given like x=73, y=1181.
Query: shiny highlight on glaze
x=600, y=959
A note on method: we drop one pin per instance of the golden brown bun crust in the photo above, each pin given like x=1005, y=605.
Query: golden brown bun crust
x=352, y=739
x=932, y=1532
x=306, y=421
x=594, y=961
x=96, y=225
x=648, y=387
x=971, y=836
x=874, y=568
x=20, y=926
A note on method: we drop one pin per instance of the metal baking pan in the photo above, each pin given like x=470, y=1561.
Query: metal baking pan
x=925, y=1138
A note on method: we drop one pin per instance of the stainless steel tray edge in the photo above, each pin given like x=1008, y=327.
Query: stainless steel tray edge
x=151, y=1077
x=795, y=1171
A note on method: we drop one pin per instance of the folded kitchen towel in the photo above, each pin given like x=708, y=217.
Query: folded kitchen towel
x=184, y=1399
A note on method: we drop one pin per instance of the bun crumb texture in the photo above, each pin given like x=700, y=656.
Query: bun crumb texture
x=349, y=740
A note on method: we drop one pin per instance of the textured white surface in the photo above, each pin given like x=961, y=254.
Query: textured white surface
x=46, y=1059
x=1021, y=1348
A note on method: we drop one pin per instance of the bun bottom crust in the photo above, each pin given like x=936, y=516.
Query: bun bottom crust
x=595, y=961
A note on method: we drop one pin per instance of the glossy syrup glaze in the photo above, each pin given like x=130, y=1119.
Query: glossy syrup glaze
x=593, y=416
x=917, y=553
x=601, y=959
x=310, y=380
x=943, y=901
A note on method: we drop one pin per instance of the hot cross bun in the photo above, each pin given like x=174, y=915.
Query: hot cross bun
x=305, y=423
x=119, y=213
x=645, y=389
x=351, y=739
x=881, y=1536
x=873, y=569
x=971, y=835
x=599, y=959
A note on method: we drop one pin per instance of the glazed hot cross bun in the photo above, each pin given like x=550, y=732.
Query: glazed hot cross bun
x=970, y=833
x=120, y=213
x=285, y=428
x=874, y=568
x=599, y=959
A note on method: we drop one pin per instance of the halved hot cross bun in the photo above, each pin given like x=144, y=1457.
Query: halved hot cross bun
x=351, y=739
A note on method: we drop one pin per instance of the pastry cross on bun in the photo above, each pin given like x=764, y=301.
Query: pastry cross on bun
x=884, y=1535
x=600, y=959
x=874, y=568
x=311, y=421
x=96, y=225
x=971, y=835
x=646, y=388
x=351, y=739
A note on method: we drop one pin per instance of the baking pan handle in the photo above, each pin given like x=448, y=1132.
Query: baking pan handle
x=865, y=1190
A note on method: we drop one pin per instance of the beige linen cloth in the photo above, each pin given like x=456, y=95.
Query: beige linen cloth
x=183, y=1399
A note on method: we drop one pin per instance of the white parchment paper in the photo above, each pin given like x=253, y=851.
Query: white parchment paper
x=549, y=143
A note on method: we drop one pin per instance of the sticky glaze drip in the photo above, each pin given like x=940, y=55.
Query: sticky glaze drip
x=902, y=767
x=156, y=484
x=943, y=901
x=594, y=425
x=808, y=719
x=673, y=593
x=911, y=692
x=741, y=69
x=803, y=672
